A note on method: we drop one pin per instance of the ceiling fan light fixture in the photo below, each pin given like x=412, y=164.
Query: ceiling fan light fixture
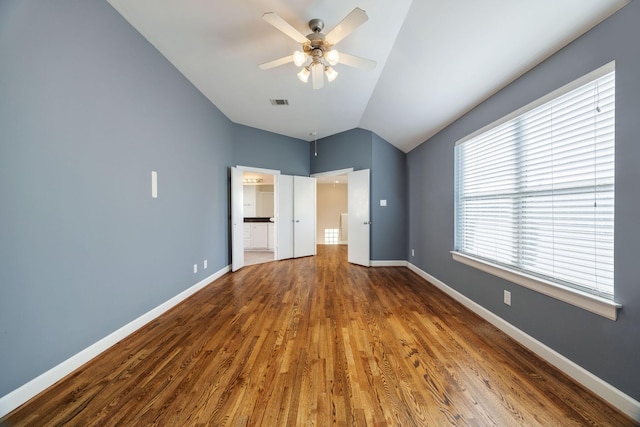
x=330, y=73
x=304, y=74
x=299, y=58
x=317, y=48
x=332, y=57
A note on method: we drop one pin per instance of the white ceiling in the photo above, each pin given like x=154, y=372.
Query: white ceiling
x=436, y=59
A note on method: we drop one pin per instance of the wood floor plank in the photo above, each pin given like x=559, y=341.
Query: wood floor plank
x=318, y=341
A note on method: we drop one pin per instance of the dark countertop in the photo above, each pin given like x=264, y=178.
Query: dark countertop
x=257, y=219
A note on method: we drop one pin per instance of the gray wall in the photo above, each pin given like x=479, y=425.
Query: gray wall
x=388, y=182
x=350, y=149
x=261, y=149
x=88, y=108
x=606, y=348
x=362, y=149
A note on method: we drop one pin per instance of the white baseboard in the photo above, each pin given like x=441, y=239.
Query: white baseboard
x=399, y=263
x=17, y=397
x=606, y=391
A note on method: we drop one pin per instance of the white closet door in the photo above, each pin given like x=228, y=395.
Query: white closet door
x=359, y=219
x=284, y=216
x=304, y=216
x=237, y=220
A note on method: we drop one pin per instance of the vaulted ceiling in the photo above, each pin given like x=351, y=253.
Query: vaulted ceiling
x=436, y=59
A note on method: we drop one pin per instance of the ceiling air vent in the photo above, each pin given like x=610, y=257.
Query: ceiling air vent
x=279, y=101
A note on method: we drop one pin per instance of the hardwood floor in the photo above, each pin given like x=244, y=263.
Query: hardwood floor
x=317, y=341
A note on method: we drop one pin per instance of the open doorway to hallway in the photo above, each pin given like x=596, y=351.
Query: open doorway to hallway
x=332, y=210
x=354, y=228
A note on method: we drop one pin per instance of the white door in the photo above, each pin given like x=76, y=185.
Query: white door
x=237, y=220
x=304, y=216
x=359, y=219
x=284, y=216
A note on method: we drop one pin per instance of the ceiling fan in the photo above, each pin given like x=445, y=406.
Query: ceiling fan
x=317, y=48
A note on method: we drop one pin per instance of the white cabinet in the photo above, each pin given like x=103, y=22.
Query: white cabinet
x=247, y=235
x=259, y=235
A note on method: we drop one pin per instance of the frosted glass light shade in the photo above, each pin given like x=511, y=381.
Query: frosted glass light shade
x=299, y=58
x=330, y=73
x=332, y=57
x=303, y=75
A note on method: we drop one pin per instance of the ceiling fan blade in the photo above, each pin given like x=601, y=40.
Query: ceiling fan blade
x=276, y=62
x=282, y=25
x=352, y=21
x=357, y=61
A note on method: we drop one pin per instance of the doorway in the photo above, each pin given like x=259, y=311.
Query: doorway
x=350, y=225
x=258, y=215
x=291, y=229
x=332, y=213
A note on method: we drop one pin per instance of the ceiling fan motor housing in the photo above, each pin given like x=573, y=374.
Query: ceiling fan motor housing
x=317, y=45
x=316, y=25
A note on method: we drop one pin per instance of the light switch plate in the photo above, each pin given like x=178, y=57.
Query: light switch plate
x=154, y=184
x=383, y=203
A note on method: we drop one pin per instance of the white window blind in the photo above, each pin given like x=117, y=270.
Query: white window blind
x=535, y=192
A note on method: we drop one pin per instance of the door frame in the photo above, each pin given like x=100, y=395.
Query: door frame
x=332, y=173
x=258, y=170
x=345, y=171
x=337, y=172
x=235, y=242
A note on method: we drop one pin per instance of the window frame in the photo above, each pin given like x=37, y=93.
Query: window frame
x=602, y=306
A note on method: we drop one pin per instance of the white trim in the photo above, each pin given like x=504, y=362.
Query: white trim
x=17, y=397
x=258, y=170
x=589, y=302
x=332, y=173
x=606, y=391
x=391, y=263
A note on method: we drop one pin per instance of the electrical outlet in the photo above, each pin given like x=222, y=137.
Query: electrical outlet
x=507, y=297
x=195, y=268
x=413, y=252
x=205, y=264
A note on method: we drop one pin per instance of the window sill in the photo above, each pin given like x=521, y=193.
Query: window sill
x=592, y=303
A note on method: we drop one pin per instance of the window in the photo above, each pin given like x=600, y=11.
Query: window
x=535, y=191
x=331, y=236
